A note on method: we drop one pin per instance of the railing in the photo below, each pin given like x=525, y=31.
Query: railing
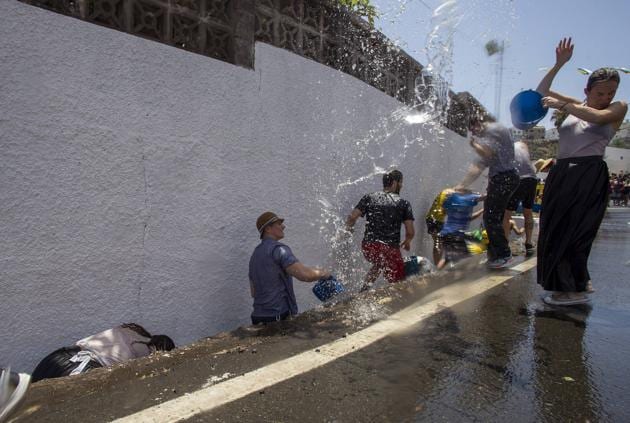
x=227, y=30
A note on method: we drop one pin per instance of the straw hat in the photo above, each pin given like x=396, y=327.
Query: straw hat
x=542, y=165
x=266, y=219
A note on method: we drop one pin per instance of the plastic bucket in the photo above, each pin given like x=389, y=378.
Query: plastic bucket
x=417, y=265
x=325, y=289
x=527, y=109
x=412, y=265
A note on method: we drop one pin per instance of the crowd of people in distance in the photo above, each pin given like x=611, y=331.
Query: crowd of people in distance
x=619, y=189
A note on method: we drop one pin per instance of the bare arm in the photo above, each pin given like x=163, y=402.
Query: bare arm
x=563, y=98
x=614, y=113
x=306, y=273
x=471, y=176
x=410, y=232
x=477, y=214
x=564, y=51
x=352, y=219
x=251, y=288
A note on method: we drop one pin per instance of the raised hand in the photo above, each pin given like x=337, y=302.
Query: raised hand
x=564, y=51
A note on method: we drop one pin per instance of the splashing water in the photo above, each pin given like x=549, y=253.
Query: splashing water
x=432, y=85
x=429, y=110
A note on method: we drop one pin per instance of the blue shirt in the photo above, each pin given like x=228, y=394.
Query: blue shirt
x=459, y=210
x=273, y=286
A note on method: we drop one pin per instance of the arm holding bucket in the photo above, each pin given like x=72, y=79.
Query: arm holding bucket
x=305, y=273
x=614, y=113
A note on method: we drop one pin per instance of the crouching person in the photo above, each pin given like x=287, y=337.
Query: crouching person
x=112, y=346
x=271, y=271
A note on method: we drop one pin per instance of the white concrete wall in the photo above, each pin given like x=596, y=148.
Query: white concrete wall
x=617, y=159
x=132, y=174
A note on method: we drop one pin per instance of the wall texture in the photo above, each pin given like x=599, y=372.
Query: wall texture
x=131, y=175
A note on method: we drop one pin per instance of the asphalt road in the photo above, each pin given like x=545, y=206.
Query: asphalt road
x=474, y=347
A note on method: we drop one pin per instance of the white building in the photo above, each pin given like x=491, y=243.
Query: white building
x=617, y=159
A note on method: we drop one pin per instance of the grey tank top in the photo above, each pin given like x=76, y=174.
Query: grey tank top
x=579, y=138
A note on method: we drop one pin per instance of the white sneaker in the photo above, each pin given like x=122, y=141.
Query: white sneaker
x=13, y=387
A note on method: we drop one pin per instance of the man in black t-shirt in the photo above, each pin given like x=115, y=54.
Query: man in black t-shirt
x=384, y=212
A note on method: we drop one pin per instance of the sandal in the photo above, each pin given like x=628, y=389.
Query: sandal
x=589, y=287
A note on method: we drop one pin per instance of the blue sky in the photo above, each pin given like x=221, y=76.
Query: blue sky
x=531, y=29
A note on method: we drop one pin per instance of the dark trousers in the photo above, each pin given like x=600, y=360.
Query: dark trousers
x=270, y=319
x=500, y=189
x=58, y=364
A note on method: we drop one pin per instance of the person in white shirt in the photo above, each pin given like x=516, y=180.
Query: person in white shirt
x=112, y=346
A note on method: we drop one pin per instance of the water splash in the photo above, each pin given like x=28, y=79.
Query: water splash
x=433, y=84
x=373, y=151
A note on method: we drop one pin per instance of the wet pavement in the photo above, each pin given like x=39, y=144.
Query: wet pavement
x=502, y=354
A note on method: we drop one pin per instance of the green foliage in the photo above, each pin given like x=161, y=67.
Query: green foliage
x=362, y=8
x=620, y=143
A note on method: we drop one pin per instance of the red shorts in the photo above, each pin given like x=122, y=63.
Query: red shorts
x=385, y=257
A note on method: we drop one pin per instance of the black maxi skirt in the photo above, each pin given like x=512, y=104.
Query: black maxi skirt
x=573, y=206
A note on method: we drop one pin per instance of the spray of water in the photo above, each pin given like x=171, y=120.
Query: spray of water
x=373, y=151
x=429, y=110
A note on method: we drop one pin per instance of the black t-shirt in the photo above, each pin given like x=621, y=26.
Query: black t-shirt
x=384, y=213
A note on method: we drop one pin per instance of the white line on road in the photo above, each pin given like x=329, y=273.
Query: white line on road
x=206, y=399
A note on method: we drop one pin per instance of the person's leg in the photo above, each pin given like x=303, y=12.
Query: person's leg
x=394, y=267
x=528, y=217
x=371, y=252
x=437, y=248
x=511, y=207
x=507, y=215
x=500, y=188
x=372, y=275
x=529, y=196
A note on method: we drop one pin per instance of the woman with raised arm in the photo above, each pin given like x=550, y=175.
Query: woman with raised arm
x=576, y=190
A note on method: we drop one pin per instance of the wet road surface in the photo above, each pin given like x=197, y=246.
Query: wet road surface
x=500, y=355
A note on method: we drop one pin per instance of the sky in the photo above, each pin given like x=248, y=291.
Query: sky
x=530, y=30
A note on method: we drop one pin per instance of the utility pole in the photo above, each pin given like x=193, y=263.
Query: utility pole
x=494, y=48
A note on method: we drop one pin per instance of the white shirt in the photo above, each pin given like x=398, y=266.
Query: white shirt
x=115, y=345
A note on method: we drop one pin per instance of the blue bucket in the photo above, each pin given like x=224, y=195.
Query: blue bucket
x=412, y=265
x=416, y=265
x=527, y=109
x=325, y=289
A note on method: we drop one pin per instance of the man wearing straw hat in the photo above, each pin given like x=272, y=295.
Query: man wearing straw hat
x=271, y=271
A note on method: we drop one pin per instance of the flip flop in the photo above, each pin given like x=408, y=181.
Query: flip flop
x=551, y=301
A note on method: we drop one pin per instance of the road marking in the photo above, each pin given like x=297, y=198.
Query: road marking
x=206, y=399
